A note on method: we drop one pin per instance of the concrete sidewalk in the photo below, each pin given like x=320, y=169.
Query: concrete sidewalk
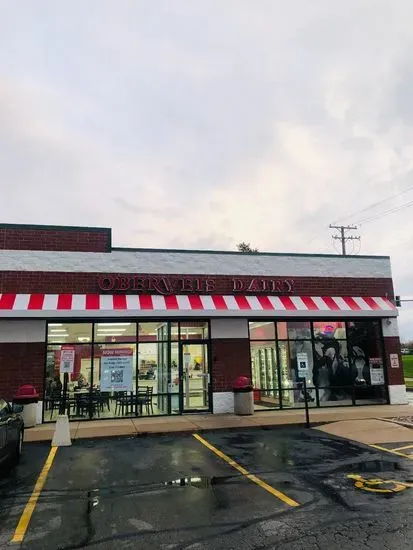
x=345, y=416
x=369, y=431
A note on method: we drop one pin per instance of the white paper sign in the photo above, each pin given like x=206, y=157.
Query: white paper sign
x=376, y=374
x=394, y=361
x=116, y=369
x=302, y=364
x=67, y=360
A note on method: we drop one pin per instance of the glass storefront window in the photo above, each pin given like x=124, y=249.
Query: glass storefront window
x=327, y=330
x=132, y=368
x=359, y=332
x=262, y=330
x=174, y=331
x=341, y=362
x=264, y=365
x=264, y=374
x=115, y=332
x=333, y=373
x=73, y=333
x=294, y=330
x=173, y=388
x=156, y=331
x=79, y=382
x=193, y=330
x=150, y=364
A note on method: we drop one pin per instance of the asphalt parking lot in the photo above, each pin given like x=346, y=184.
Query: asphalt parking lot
x=280, y=488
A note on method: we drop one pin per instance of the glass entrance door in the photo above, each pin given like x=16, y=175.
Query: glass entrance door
x=195, y=377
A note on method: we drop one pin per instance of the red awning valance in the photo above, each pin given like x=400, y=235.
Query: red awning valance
x=66, y=305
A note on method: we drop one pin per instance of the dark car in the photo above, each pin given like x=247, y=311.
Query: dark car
x=11, y=432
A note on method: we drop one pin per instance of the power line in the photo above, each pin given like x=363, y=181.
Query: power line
x=343, y=237
x=373, y=205
x=385, y=213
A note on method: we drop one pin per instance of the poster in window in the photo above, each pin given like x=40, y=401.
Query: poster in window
x=117, y=369
x=302, y=365
x=376, y=372
x=67, y=360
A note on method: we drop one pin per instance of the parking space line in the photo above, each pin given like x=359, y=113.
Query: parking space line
x=243, y=471
x=392, y=451
x=25, y=518
x=402, y=448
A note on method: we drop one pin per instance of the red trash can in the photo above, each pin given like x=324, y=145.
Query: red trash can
x=28, y=397
x=243, y=396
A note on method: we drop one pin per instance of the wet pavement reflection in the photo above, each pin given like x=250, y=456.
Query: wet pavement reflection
x=173, y=492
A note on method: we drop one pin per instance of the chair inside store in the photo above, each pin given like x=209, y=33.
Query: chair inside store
x=145, y=399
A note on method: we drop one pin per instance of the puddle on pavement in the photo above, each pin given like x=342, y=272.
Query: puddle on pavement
x=373, y=466
x=200, y=482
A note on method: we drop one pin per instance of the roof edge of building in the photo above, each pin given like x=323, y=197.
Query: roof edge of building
x=236, y=253
x=29, y=226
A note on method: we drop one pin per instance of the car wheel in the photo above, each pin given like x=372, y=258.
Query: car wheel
x=19, y=447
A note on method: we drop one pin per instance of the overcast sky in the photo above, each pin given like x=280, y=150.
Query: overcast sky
x=198, y=124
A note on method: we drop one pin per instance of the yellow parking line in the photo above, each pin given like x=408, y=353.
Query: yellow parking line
x=392, y=451
x=246, y=473
x=25, y=518
x=401, y=448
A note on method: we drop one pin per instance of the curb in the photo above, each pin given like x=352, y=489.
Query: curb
x=189, y=432
x=398, y=422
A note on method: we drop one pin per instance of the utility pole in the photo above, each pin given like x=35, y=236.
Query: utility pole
x=343, y=237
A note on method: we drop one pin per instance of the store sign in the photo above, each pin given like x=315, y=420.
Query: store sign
x=302, y=365
x=116, y=369
x=193, y=285
x=376, y=371
x=394, y=361
x=67, y=360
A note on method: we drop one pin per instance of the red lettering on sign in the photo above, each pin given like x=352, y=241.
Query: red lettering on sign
x=188, y=285
x=106, y=283
x=123, y=283
x=237, y=285
x=209, y=285
x=138, y=283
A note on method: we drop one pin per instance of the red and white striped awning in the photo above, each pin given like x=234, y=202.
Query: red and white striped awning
x=118, y=305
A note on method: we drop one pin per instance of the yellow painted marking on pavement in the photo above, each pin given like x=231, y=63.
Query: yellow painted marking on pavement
x=373, y=485
x=402, y=448
x=246, y=473
x=26, y=516
x=392, y=451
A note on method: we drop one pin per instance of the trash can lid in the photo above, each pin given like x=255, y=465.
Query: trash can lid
x=241, y=382
x=26, y=391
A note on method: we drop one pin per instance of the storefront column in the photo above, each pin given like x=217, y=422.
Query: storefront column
x=230, y=359
x=395, y=374
x=22, y=357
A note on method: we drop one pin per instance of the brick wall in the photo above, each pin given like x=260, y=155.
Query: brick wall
x=18, y=237
x=84, y=283
x=392, y=345
x=21, y=364
x=230, y=359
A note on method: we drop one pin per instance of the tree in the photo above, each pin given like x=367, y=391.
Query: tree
x=245, y=248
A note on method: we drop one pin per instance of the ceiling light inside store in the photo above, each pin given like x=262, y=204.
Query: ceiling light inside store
x=55, y=324
x=113, y=333
x=114, y=324
x=109, y=330
x=57, y=330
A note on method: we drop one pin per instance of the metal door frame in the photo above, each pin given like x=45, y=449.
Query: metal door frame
x=183, y=343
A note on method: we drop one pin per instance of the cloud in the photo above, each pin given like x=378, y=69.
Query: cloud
x=181, y=124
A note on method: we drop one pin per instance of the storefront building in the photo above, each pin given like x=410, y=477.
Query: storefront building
x=163, y=332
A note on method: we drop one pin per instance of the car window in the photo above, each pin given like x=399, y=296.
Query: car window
x=4, y=408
